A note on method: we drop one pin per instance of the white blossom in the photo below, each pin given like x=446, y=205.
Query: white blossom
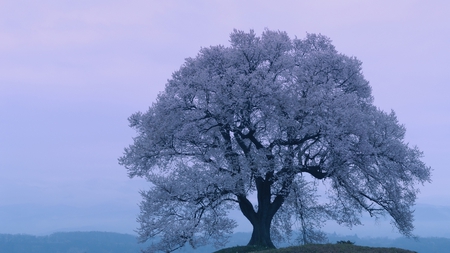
x=253, y=119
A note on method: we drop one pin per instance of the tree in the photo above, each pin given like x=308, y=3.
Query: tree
x=256, y=126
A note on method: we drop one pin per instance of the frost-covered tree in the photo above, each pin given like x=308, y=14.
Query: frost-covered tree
x=254, y=126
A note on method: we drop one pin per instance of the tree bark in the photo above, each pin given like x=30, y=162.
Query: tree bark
x=261, y=219
x=261, y=233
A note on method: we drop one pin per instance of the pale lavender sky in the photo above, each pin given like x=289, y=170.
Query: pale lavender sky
x=71, y=72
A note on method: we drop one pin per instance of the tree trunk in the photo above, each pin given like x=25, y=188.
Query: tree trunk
x=261, y=233
x=261, y=219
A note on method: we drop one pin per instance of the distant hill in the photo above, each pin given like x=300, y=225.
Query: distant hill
x=421, y=245
x=106, y=242
x=70, y=242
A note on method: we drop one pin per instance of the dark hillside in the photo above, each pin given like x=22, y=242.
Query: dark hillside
x=319, y=248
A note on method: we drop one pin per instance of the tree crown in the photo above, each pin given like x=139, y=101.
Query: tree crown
x=257, y=117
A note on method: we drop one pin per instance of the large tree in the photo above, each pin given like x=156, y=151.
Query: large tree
x=255, y=126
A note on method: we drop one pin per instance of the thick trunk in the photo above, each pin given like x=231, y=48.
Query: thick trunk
x=261, y=219
x=261, y=234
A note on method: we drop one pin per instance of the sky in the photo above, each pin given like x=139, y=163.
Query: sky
x=72, y=72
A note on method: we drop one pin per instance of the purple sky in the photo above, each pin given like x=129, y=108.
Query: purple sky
x=71, y=72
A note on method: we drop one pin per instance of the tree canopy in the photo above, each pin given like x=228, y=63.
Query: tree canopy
x=257, y=125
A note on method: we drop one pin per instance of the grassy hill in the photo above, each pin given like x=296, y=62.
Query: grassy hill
x=316, y=248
